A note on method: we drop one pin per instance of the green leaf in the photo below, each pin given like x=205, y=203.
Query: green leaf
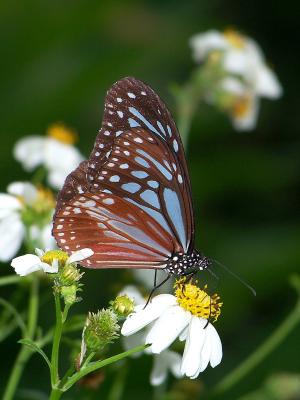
x=34, y=347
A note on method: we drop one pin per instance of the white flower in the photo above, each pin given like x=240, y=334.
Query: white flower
x=21, y=196
x=47, y=261
x=146, y=277
x=184, y=316
x=166, y=361
x=243, y=60
x=55, y=152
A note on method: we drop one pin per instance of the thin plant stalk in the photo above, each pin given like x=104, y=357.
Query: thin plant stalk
x=25, y=352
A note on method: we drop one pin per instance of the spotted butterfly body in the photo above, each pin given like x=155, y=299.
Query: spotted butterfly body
x=130, y=202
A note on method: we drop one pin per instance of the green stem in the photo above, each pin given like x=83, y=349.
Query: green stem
x=262, y=352
x=55, y=394
x=88, y=359
x=56, y=342
x=25, y=352
x=99, y=364
x=9, y=279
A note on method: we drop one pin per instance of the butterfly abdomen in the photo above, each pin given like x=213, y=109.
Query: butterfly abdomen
x=182, y=263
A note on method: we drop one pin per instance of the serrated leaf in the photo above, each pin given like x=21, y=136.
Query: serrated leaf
x=34, y=347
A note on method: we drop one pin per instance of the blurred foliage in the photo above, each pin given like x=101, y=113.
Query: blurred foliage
x=59, y=58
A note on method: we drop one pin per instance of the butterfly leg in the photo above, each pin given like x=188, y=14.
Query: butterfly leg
x=156, y=287
x=189, y=276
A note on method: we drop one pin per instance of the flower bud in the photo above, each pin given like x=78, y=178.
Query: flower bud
x=101, y=329
x=69, y=275
x=122, y=305
x=69, y=294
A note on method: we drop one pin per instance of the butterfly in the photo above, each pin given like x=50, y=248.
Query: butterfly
x=130, y=202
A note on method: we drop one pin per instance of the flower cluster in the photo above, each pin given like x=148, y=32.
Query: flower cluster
x=236, y=73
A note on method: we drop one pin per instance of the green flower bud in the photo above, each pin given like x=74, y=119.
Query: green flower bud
x=101, y=329
x=122, y=305
x=69, y=294
x=69, y=275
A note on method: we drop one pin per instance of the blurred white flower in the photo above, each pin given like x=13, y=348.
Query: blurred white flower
x=22, y=202
x=185, y=315
x=166, y=361
x=47, y=261
x=241, y=60
x=54, y=151
x=146, y=277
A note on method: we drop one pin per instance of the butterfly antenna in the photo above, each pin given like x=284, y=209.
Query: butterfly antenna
x=252, y=290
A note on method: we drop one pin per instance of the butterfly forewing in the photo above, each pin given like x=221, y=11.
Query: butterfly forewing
x=139, y=161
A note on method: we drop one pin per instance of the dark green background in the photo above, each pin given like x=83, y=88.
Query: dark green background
x=57, y=60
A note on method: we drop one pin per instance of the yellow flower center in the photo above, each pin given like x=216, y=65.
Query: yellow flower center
x=45, y=200
x=235, y=38
x=52, y=255
x=62, y=133
x=241, y=106
x=197, y=301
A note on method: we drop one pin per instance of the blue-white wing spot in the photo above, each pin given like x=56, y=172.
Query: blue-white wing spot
x=137, y=114
x=159, y=218
x=153, y=184
x=169, y=131
x=131, y=187
x=150, y=197
x=139, y=174
x=174, y=211
x=175, y=145
x=161, y=127
x=133, y=123
x=142, y=162
x=158, y=165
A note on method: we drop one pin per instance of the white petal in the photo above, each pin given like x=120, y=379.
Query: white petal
x=216, y=346
x=159, y=370
x=26, y=190
x=184, y=333
x=135, y=340
x=146, y=277
x=191, y=359
x=143, y=317
x=60, y=160
x=26, y=264
x=174, y=362
x=51, y=269
x=206, y=352
x=167, y=328
x=39, y=252
x=267, y=83
x=236, y=62
x=134, y=294
x=233, y=85
x=47, y=240
x=8, y=204
x=56, y=178
x=30, y=151
x=11, y=233
x=80, y=255
x=204, y=43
